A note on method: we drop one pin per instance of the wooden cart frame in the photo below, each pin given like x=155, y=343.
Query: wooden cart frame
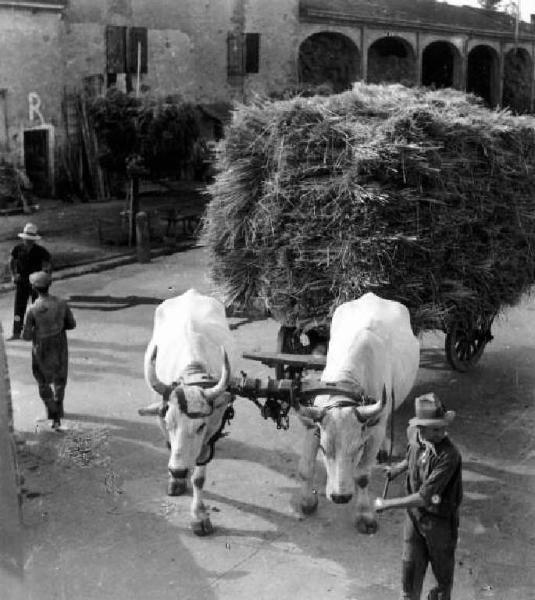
x=464, y=345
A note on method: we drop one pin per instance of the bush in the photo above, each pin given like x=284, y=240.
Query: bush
x=163, y=132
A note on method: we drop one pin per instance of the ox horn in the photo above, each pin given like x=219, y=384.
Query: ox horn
x=221, y=386
x=153, y=410
x=158, y=386
x=373, y=410
x=311, y=412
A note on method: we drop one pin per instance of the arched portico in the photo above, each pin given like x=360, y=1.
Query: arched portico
x=441, y=65
x=482, y=74
x=517, y=80
x=391, y=59
x=329, y=58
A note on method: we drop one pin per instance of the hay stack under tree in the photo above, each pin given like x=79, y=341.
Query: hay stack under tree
x=425, y=197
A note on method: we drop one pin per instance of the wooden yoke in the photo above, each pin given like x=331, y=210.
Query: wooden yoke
x=291, y=391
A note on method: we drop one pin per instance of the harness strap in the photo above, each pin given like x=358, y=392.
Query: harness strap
x=228, y=415
x=318, y=388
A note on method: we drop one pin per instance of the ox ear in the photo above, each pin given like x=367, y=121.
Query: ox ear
x=153, y=410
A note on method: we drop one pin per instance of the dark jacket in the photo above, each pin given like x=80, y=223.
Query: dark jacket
x=437, y=477
x=28, y=260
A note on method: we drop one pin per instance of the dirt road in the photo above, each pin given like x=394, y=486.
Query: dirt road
x=98, y=523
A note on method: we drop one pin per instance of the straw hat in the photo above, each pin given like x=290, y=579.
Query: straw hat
x=40, y=279
x=29, y=232
x=430, y=411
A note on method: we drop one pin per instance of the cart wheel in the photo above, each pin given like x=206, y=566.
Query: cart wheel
x=466, y=342
x=287, y=343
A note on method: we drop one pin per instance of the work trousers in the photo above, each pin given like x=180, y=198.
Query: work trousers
x=52, y=394
x=23, y=291
x=429, y=540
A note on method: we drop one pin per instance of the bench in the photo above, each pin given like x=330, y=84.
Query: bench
x=188, y=221
x=114, y=230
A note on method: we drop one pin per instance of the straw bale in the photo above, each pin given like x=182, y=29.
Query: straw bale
x=421, y=196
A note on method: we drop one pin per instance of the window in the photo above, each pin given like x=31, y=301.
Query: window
x=115, y=49
x=252, y=52
x=137, y=44
x=235, y=54
x=243, y=50
x=122, y=47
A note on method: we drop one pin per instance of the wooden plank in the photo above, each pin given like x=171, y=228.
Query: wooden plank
x=271, y=359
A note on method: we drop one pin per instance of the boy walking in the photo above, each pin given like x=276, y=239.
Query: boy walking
x=47, y=320
x=434, y=493
x=26, y=257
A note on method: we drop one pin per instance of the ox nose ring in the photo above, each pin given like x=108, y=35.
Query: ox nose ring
x=179, y=473
x=341, y=498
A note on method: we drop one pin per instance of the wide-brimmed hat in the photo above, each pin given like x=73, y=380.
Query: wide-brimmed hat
x=29, y=232
x=429, y=411
x=40, y=279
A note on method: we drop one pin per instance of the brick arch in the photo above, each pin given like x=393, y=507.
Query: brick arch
x=517, y=77
x=441, y=65
x=391, y=59
x=482, y=73
x=328, y=58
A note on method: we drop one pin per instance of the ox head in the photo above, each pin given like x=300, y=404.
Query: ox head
x=345, y=426
x=189, y=415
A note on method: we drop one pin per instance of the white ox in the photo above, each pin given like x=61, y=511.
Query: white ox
x=187, y=365
x=373, y=353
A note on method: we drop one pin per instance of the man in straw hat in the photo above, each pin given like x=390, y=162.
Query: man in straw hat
x=26, y=257
x=47, y=320
x=434, y=493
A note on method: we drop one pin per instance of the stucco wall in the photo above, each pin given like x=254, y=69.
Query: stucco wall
x=30, y=61
x=278, y=25
x=187, y=43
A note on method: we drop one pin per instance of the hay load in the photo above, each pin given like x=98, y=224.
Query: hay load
x=425, y=197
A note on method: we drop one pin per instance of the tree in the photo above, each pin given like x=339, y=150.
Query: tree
x=509, y=6
x=489, y=4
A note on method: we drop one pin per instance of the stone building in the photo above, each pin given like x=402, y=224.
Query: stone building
x=418, y=42
x=215, y=52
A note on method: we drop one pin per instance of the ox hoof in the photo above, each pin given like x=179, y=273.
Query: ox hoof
x=309, y=506
x=367, y=526
x=176, y=487
x=202, y=528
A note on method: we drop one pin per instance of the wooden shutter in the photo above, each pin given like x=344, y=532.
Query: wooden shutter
x=115, y=49
x=235, y=54
x=137, y=35
x=252, y=52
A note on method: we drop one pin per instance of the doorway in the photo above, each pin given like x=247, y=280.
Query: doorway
x=37, y=161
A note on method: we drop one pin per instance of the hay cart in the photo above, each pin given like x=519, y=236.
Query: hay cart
x=303, y=346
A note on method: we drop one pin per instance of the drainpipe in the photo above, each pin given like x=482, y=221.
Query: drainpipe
x=3, y=98
x=463, y=84
x=498, y=89
x=532, y=74
x=237, y=22
x=363, y=55
x=418, y=60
